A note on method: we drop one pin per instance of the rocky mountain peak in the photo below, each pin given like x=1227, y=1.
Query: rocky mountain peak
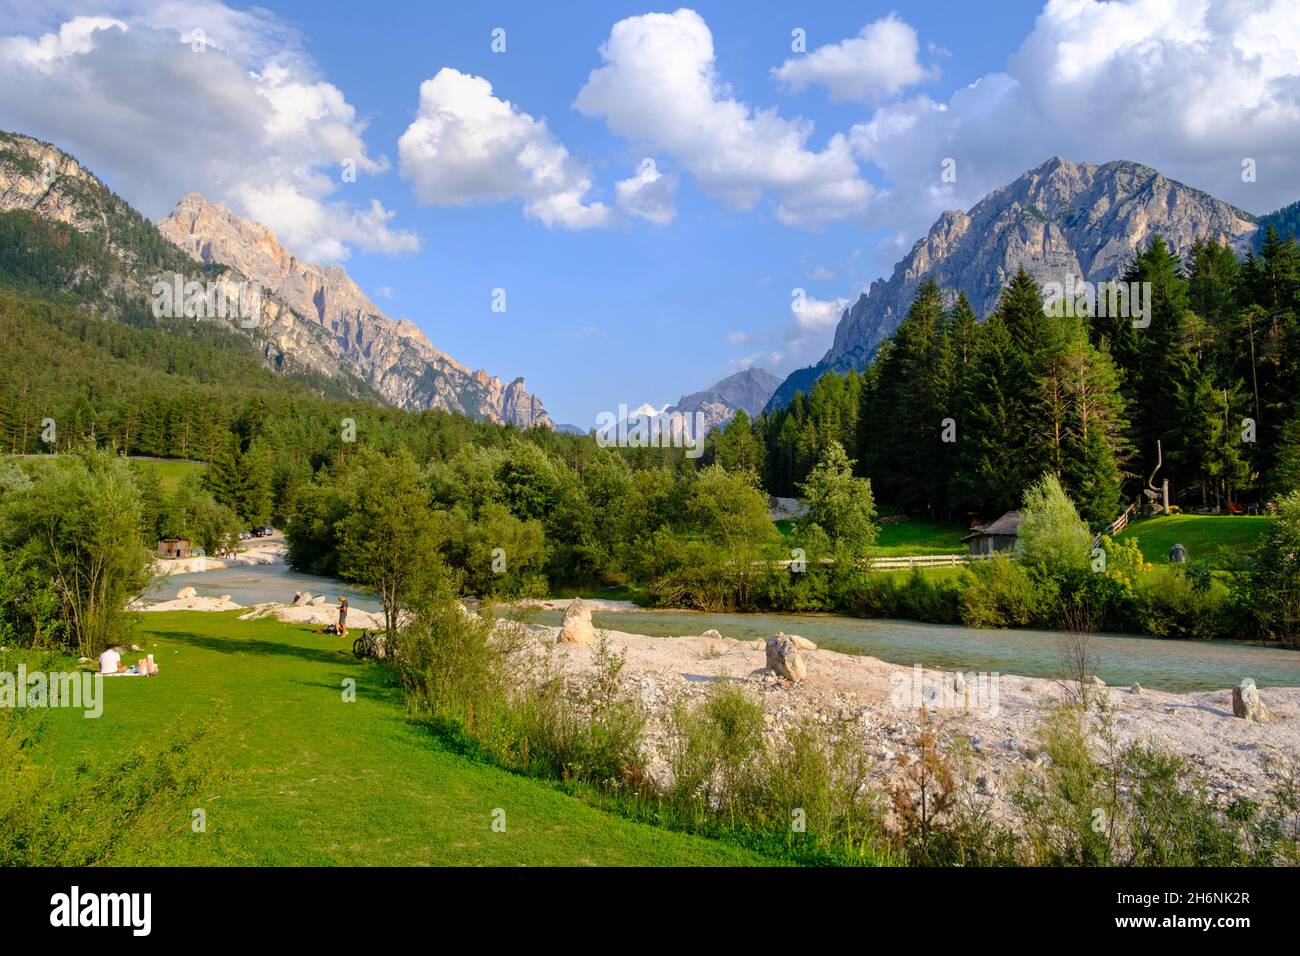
x=393, y=355
x=1059, y=218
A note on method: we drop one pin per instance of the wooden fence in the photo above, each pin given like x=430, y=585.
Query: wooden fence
x=905, y=563
x=1118, y=525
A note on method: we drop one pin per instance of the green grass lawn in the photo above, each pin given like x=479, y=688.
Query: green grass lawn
x=910, y=537
x=1219, y=541
x=899, y=538
x=309, y=779
x=170, y=471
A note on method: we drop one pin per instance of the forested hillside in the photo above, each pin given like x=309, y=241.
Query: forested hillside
x=956, y=418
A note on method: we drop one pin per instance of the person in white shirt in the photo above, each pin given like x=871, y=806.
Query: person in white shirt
x=110, y=662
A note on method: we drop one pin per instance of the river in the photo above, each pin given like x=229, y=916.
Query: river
x=257, y=584
x=1121, y=659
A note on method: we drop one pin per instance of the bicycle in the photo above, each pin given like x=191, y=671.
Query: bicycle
x=368, y=645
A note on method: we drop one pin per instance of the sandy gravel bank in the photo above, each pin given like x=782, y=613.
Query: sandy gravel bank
x=879, y=702
x=271, y=552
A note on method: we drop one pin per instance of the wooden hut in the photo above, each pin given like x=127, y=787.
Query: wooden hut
x=174, y=548
x=999, y=535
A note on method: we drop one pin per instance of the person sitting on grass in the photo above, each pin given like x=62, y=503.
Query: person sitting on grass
x=110, y=662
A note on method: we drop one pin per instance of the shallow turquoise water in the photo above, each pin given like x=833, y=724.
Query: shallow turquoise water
x=257, y=584
x=1121, y=659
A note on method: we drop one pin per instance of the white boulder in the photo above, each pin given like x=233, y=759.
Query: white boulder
x=576, y=627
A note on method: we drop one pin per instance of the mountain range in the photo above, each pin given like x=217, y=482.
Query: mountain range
x=748, y=390
x=314, y=322
x=1060, y=219
x=312, y=319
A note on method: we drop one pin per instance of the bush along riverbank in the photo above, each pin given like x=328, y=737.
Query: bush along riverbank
x=1056, y=574
x=811, y=767
x=706, y=541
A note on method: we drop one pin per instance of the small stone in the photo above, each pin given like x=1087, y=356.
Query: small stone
x=711, y=632
x=1136, y=688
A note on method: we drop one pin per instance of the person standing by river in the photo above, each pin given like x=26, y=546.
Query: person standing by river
x=343, y=615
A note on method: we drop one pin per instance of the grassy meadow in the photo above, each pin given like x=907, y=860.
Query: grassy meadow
x=302, y=778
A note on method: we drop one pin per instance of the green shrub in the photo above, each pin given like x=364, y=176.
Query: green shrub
x=458, y=671
x=938, y=602
x=79, y=528
x=1170, y=604
x=1070, y=810
x=1052, y=540
x=1269, y=590
x=805, y=788
x=714, y=746
x=1000, y=593
x=816, y=588
x=450, y=664
x=594, y=736
x=1171, y=820
x=1097, y=803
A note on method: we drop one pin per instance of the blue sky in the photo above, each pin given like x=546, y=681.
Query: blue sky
x=606, y=304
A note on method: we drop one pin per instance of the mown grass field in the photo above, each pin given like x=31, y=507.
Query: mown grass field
x=305, y=778
x=910, y=537
x=899, y=538
x=170, y=471
x=1219, y=541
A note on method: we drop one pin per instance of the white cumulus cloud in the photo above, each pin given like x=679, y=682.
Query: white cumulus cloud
x=1190, y=87
x=879, y=62
x=659, y=86
x=467, y=146
x=815, y=315
x=243, y=118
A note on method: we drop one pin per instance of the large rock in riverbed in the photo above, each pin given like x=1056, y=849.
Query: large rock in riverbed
x=783, y=658
x=185, y=593
x=576, y=627
x=1247, y=704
